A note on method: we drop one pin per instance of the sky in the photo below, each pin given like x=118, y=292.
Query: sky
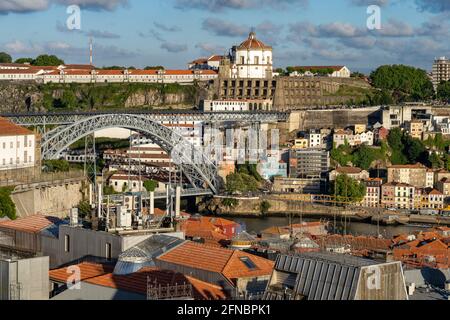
x=173, y=32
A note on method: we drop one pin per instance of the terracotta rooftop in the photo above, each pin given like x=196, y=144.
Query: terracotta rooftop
x=7, y=128
x=253, y=43
x=230, y=263
x=32, y=224
x=349, y=170
x=87, y=271
x=102, y=275
x=20, y=71
x=335, y=68
x=408, y=166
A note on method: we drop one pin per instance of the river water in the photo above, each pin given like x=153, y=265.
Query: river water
x=256, y=225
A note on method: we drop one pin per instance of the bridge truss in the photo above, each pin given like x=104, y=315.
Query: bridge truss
x=195, y=165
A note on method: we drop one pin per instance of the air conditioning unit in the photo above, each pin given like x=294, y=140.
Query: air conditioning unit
x=411, y=288
x=447, y=286
x=73, y=217
x=123, y=217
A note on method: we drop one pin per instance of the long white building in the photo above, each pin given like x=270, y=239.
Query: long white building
x=17, y=146
x=88, y=74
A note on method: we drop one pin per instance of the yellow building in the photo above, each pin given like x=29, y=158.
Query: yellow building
x=360, y=128
x=301, y=144
x=415, y=129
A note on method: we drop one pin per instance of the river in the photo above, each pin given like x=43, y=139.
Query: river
x=256, y=225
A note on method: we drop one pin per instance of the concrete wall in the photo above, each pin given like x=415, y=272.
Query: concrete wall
x=382, y=282
x=94, y=292
x=28, y=277
x=421, y=277
x=54, y=199
x=313, y=119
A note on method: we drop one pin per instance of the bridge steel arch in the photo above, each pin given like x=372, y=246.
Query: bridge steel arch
x=196, y=166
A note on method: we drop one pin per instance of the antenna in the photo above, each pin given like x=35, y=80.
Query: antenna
x=90, y=51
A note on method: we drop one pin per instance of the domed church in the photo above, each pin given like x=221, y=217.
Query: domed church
x=252, y=59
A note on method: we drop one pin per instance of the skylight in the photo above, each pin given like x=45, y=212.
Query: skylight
x=248, y=263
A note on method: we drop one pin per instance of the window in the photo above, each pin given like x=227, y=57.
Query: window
x=66, y=243
x=108, y=252
x=249, y=263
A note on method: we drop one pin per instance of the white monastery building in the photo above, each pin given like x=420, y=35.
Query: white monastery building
x=252, y=59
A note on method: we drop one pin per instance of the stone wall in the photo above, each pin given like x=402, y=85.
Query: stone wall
x=313, y=119
x=54, y=198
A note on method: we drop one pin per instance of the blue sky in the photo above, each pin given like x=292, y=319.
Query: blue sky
x=174, y=32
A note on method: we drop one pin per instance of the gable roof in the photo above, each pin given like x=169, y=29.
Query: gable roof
x=31, y=224
x=225, y=261
x=7, y=128
x=136, y=282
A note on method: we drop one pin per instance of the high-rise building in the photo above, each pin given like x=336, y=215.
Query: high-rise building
x=308, y=163
x=441, y=71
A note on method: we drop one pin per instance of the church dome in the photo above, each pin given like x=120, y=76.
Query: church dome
x=253, y=44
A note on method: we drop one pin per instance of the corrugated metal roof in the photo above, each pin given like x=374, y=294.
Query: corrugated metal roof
x=322, y=276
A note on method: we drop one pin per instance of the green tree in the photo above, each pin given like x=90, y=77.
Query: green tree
x=241, y=182
x=264, y=207
x=342, y=154
x=5, y=58
x=84, y=209
x=108, y=190
x=150, y=185
x=229, y=202
x=407, y=83
x=7, y=206
x=235, y=183
x=415, y=150
x=364, y=156
x=24, y=60
x=395, y=142
x=435, y=161
x=443, y=91
x=347, y=189
x=154, y=68
x=56, y=166
x=47, y=60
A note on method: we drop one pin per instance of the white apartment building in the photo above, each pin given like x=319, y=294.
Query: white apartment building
x=441, y=71
x=340, y=136
x=123, y=182
x=211, y=63
x=17, y=146
x=237, y=105
x=252, y=59
x=338, y=71
x=225, y=105
x=315, y=139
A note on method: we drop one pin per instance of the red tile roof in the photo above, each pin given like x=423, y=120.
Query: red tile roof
x=219, y=260
x=19, y=71
x=32, y=224
x=7, y=128
x=407, y=166
x=253, y=43
x=349, y=170
x=335, y=68
x=87, y=271
x=102, y=275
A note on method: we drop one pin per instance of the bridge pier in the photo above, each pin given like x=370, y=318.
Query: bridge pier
x=152, y=203
x=178, y=201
